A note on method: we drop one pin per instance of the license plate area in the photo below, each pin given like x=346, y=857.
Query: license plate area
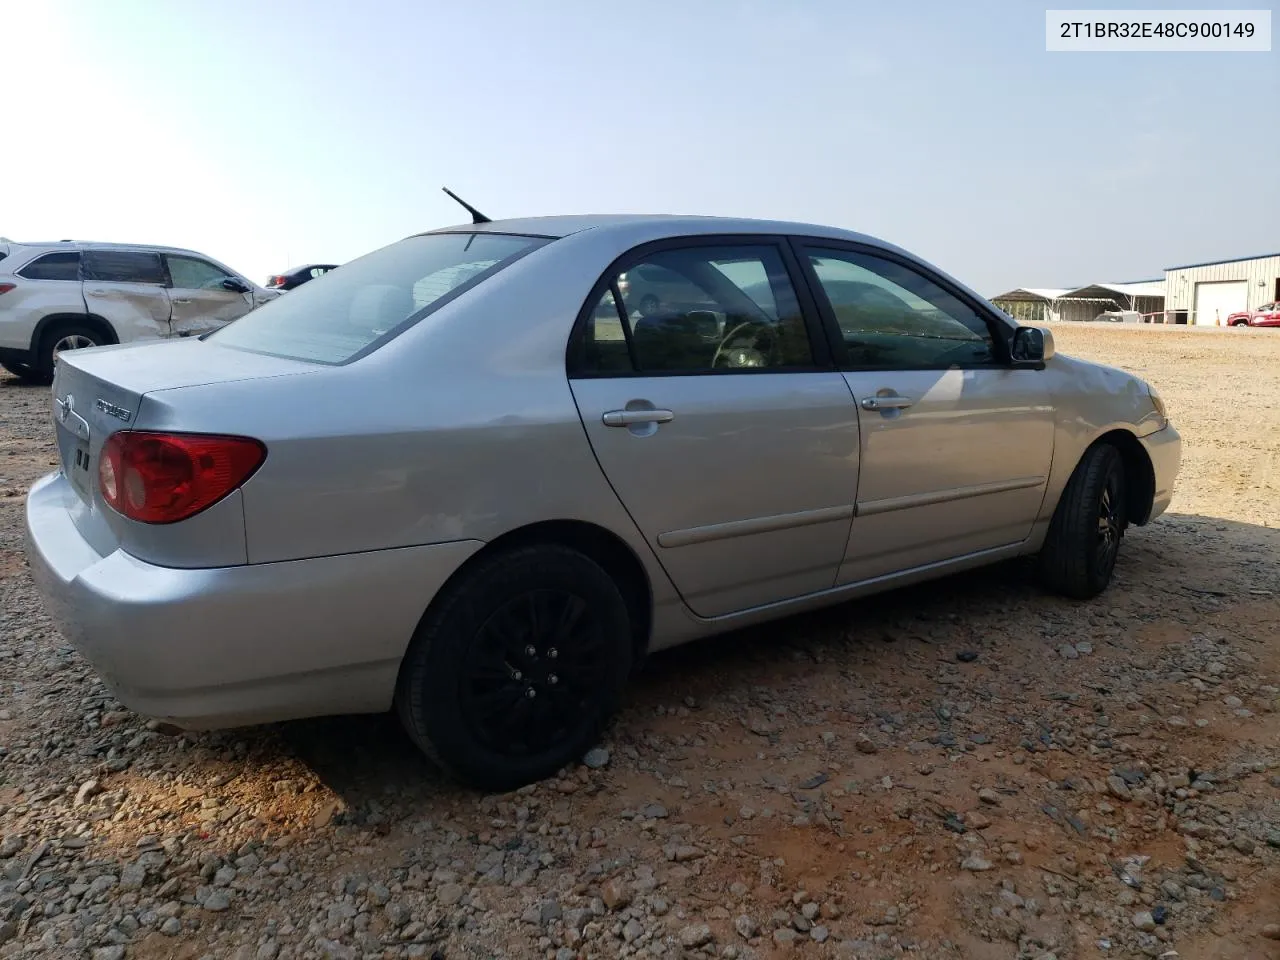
x=76, y=460
x=78, y=468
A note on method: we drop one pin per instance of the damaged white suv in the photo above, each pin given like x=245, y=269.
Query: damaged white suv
x=66, y=295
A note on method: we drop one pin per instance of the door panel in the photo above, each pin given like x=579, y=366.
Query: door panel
x=955, y=444
x=127, y=289
x=962, y=469
x=200, y=302
x=710, y=412
x=746, y=492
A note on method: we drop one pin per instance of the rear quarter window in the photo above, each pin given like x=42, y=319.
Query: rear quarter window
x=371, y=300
x=53, y=266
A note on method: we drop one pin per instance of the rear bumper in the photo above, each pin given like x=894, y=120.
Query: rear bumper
x=15, y=355
x=223, y=647
x=1164, y=447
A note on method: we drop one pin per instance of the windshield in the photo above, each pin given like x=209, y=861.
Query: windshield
x=347, y=312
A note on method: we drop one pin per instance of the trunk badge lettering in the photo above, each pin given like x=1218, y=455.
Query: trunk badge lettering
x=112, y=410
x=65, y=406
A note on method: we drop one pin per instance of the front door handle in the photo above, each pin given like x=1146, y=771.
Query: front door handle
x=181, y=300
x=886, y=403
x=629, y=418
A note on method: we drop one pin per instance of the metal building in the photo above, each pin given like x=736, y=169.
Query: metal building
x=1205, y=294
x=1146, y=297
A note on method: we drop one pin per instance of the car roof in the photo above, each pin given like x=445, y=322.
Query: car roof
x=674, y=224
x=71, y=245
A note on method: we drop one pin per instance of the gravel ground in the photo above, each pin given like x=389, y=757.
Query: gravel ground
x=967, y=769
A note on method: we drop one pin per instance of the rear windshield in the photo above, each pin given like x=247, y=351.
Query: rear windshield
x=352, y=311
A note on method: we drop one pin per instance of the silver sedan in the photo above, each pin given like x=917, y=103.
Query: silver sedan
x=474, y=477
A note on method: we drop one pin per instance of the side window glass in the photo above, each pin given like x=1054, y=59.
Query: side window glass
x=123, y=266
x=892, y=317
x=188, y=273
x=701, y=309
x=53, y=266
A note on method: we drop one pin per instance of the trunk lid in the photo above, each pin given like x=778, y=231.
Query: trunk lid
x=98, y=391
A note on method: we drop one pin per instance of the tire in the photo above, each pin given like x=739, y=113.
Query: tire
x=54, y=339
x=20, y=370
x=1079, y=554
x=463, y=691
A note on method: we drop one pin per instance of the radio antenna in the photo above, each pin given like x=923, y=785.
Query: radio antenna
x=476, y=215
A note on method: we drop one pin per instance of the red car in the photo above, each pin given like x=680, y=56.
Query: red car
x=1267, y=315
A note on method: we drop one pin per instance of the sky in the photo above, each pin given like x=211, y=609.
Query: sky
x=272, y=135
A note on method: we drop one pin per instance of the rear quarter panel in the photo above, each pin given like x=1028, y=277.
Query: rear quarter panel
x=30, y=301
x=463, y=427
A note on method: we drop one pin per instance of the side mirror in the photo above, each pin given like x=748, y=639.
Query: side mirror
x=237, y=286
x=1032, y=346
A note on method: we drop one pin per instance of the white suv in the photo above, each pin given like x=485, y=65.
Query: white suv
x=61, y=296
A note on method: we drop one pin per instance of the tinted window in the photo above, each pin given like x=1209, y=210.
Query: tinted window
x=123, y=266
x=373, y=298
x=892, y=317
x=699, y=309
x=53, y=266
x=188, y=273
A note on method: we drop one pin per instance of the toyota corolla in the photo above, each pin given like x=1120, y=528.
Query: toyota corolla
x=465, y=477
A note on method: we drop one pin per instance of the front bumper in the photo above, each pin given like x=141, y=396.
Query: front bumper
x=1164, y=447
x=228, y=646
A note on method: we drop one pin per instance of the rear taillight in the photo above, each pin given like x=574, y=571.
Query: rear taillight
x=276, y=282
x=6, y=287
x=167, y=477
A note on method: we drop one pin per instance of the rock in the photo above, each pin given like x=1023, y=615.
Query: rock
x=449, y=894
x=1118, y=788
x=615, y=894
x=1084, y=646
x=133, y=876
x=785, y=936
x=1233, y=702
x=224, y=876
x=398, y=914
x=746, y=927
x=987, y=795
x=8, y=930
x=865, y=744
x=596, y=758
x=218, y=901
x=819, y=934
x=654, y=811
x=1144, y=921
x=695, y=935
x=967, y=656
x=113, y=952
x=633, y=930
x=171, y=927
x=12, y=844
x=549, y=910
x=1068, y=652
x=1271, y=931
x=90, y=788
x=975, y=863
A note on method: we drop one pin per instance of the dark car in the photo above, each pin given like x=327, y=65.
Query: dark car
x=299, y=275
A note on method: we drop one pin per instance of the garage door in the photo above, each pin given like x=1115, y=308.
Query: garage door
x=1217, y=301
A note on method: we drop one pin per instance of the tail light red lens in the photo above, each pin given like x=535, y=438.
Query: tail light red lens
x=6, y=287
x=167, y=477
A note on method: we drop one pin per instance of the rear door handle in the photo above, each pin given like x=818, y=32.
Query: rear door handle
x=181, y=300
x=628, y=418
x=886, y=403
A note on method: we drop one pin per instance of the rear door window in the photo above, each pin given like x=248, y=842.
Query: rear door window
x=371, y=300
x=123, y=266
x=53, y=266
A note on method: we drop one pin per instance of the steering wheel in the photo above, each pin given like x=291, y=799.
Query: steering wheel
x=749, y=344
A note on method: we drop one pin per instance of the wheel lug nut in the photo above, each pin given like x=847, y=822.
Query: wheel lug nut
x=530, y=651
x=517, y=675
x=552, y=653
x=531, y=693
x=552, y=679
